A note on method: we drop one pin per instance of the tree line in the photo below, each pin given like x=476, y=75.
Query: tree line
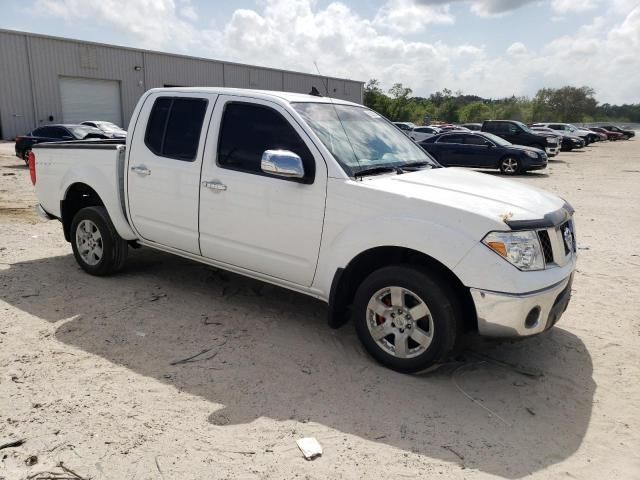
x=567, y=104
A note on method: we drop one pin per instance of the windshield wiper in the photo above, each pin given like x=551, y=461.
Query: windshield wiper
x=376, y=170
x=417, y=165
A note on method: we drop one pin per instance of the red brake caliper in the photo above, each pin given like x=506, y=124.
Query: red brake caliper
x=387, y=302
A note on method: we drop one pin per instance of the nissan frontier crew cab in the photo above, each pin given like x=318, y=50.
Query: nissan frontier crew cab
x=324, y=197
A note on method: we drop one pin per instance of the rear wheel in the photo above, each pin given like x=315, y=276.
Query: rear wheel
x=510, y=166
x=97, y=247
x=405, y=318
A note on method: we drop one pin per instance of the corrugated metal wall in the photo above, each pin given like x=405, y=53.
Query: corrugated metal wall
x=52, y=59
x=161, y=70
x=16, y=103
x=30, y=88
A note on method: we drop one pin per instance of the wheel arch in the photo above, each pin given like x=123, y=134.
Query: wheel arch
x=77, y=196
x=347, y=279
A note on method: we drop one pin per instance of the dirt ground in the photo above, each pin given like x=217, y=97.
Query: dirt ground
x=92, y=370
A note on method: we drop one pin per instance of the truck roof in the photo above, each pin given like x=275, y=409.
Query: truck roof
x=290, y=97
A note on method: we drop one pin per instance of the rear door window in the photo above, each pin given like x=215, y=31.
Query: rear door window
x=475, y=140
x=58, y=132
x=174, y=128
x=40, y=132
x=451, y=139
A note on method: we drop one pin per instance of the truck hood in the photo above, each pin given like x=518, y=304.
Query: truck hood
x=472, y=194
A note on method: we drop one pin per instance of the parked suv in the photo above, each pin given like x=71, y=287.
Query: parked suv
x=519, y=134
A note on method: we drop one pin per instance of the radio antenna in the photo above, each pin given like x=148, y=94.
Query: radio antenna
x=335, y=110
x=325, y=81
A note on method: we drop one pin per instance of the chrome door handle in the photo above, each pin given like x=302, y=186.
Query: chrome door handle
x=215, y=186
x=141, y=169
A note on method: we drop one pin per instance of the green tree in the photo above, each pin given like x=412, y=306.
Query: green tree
x=474, y=112
x=400, y=107
x=566, y=104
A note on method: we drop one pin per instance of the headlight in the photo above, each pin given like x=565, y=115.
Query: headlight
x=521, y=249
x=531, y=154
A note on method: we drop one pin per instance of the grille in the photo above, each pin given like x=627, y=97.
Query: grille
x=545, y=242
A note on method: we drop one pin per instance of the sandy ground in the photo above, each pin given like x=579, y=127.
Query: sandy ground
x=88, y=374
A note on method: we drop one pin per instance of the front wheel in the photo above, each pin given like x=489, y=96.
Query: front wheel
x=510, y=166
x=405, y=318
x=97, y=247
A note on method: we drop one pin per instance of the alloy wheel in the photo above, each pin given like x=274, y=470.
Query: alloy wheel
x=400, y=322
x=89, y=242
x=510, y=165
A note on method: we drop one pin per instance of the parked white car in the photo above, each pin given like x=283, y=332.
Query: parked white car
x=422, y=133
x=110, y=129
x=324, y=197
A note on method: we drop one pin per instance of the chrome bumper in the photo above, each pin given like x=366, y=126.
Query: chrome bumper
x=518, y=315
x=552, y=150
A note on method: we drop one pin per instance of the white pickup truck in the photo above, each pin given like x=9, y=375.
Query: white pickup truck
x=324, y=197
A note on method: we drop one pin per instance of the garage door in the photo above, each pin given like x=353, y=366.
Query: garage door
x=87, y=99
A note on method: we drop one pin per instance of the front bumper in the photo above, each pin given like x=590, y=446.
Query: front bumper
x=552, y=151
x=518, y=315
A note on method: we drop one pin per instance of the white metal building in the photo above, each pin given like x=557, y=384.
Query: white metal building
x=47, y=79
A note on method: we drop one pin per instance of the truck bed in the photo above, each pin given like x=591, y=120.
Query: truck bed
x=96, y=163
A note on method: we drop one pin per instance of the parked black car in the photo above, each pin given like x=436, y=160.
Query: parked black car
x=568, y=142
x=626, y=134
x=483, y=150
x=54, y=133
x=517, y=133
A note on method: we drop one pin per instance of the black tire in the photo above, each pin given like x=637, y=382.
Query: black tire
x=507, y=168
x=113, y=248
x=445, y=317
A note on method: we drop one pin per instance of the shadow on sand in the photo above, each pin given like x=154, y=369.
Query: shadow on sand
x=269, y=353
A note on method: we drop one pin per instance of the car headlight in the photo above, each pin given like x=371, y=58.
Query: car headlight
x=531, y=154
x=521, y=248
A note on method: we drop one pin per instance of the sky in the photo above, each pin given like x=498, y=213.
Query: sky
x=491, y=48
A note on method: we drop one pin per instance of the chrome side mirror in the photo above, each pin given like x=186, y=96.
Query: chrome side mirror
x=282, y=163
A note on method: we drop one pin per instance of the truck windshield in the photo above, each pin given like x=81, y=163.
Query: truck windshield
x=524, y=127
x=360, y=139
